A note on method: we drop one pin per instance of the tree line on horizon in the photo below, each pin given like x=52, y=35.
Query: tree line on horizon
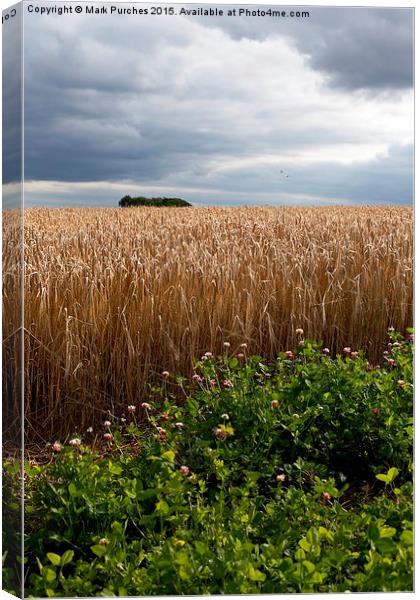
x=128, y=201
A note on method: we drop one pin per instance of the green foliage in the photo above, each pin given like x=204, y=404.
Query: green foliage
x=11, y=526
x=276, y=478
x=142, y=201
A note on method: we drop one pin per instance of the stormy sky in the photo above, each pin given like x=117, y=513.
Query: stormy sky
x=217, y=110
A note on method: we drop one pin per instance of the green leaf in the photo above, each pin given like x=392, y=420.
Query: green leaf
x=54, y=558
x=200, y=547
x=67, y=557
x=107, y=593
x=49, y=574
x=300, y=554
x=255, y=574
x=162, y=507
x=182, y=559
x=98, y=549
x=183, y=573
x=322, y=531
x=390, y=420
x=40, y=566
x=170, y=455
x=407, y=537
x=387, y=532
x=253, y=476
x=305, y=544
x=146, y=494
x=310, y=567
x=113, y=468
x=385, y=546
x=228, y=428
x=117, y=527
x=373, y=532
x=318, y=577
x=192, y=406
x=389, y=476
x=72, y=489
x=392, y=474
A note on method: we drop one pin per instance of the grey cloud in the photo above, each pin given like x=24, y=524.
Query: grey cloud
x=385, y=180
x=12, y=99
x=360, y=48
x=125, y=100
x=364, y=49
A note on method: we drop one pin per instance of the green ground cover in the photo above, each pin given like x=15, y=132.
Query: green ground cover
x=271, y=478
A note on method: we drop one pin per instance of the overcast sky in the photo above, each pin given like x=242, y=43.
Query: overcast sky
x=218, y=110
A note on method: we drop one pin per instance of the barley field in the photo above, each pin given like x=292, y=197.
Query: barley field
x=114, y=297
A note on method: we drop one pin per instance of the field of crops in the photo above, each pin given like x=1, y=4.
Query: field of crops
x=114, y=297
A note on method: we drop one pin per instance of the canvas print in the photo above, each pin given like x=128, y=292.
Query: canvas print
x=207, y=299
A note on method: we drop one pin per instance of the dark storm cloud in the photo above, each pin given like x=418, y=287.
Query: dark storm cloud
x=371, y=50
x=12, y=99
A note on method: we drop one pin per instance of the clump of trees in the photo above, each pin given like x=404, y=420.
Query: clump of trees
x=142, y=201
